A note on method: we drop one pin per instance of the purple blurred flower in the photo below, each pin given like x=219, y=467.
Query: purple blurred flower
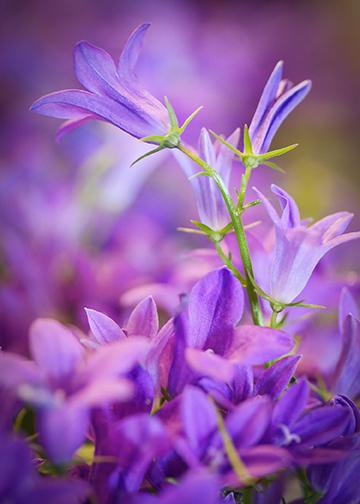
x=64, y=385
x=113, y=94
x=21, y=484
x=278, y=99
x=299, y=248
x=211, y=207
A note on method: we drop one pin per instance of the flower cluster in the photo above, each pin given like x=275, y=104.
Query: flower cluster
x=220, y=402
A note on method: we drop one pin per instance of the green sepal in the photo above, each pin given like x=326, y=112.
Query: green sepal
x=174, y=123
x=274, y=166
x=189, y=119
x=228, y=144
x=198, y=174
x=146, y=155
x=156, y=139
x=191, y=230
x=277, y=152
x=247, y=141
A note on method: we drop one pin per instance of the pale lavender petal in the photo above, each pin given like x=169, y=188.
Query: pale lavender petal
x=347, y=306
x=55, y=349
x=282, y=107
x=16, y=371
x=103, y=328
x=103, y=391
x=71, y=124
x=225, y=156
x=143, y=320
x=269, y=208
x=209, y=364
x=130, y=53
x=272, y=381
x=267, y=98
x=290, y=212
x=332, y=225
x=115, y=359
x=253, y=345
x=216, y=304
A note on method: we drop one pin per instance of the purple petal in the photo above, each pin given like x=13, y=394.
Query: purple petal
x=322, y=425
x=209, y=364
x=347, y=372
x=291, y=405
x=269, y=208
x=130, y=53
x=243, y=383
x=216, y=304
x=55, y=349
x=268, y=97
x=248, y=422
x=198, y=417
x=290, y=212
x=272, y=381
x=143, y=320
x=62, y=430
x=253, y=345
x=265, y=459
x=194, y=486
x=347, y=306
x=103, y=392
x=103, y=328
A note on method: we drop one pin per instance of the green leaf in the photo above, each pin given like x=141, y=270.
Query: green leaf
x=247, y=142
x=190, y=118
x=146, y=155
x=172, y=116
x=278, y=152
x=228, y=144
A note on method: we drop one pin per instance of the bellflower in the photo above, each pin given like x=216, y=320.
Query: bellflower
x=112, y=93
x=211, y=206
x=278, y=100
x=299, y=247
x=63, y=384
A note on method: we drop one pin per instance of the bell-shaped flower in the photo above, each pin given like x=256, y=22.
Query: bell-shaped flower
x=112, y=92
x=278, y=100
x=63, y=383
x=210, y=204
x=299, y=247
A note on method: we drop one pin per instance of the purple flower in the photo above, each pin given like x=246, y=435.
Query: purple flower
x=112, y=93
x=299, y=247
x=278, y=99
x=63, y=383
x=211, y=207
x=206, y=337
x=20, y=483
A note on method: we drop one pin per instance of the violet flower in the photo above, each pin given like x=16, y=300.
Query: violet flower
x=112, y=93
x=63, y=384
x=299, y=247
x=211, y=206
x=278, y=100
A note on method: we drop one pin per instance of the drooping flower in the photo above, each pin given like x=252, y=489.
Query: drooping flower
x=299, y=247
x=112, y=93
x=211, y=206
x=278, y=100
x=63, y=384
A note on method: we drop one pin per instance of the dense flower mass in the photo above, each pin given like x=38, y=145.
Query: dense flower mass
x=207, y=393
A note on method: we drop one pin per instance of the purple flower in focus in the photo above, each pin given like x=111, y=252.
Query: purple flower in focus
x=63, y=384
x=112, y=93
x=211, y=206
x=299, y=247
x=278, y=100
x=21, y=484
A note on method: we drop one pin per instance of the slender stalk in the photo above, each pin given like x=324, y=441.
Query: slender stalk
x=239, y=232
x=273, y=322
x=227, y=261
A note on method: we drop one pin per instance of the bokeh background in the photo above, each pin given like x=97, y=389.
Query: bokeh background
x=78, y=226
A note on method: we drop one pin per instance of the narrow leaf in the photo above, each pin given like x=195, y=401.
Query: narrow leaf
x=278, y=152
x=172, y=116
x=190, y=118
x=146, y=155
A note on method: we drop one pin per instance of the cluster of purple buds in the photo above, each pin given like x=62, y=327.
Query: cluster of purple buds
x=212, y=404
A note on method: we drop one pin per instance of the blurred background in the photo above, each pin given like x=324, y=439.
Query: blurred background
x=78, y=227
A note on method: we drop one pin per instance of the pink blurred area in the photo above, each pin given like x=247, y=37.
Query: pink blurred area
x=78, y=226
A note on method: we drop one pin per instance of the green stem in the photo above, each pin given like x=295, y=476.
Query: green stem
x=273, y=322
x=239, y=232
x=244, y=184
x=227, y=261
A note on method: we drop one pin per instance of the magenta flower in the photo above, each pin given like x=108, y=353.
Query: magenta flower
x=278, y=100
x=112, y=93
x=211, y=206
x=299, y=247
x=63, y=384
